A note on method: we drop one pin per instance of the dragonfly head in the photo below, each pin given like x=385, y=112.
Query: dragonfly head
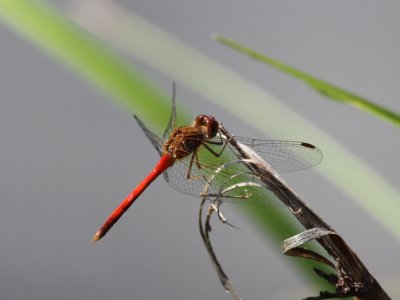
x=211, y=125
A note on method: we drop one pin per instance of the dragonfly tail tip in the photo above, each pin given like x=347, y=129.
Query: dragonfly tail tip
x=96, y=237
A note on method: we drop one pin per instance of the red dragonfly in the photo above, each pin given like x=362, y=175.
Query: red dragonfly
x=191, y=154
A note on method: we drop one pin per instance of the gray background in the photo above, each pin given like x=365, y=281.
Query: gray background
x=68, y=155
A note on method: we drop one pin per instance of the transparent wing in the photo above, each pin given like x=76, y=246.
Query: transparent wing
x=284, y=156
x=172, y=119
x=153, y=138
x=234, y=182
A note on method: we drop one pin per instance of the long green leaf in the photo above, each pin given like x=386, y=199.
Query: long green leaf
x=325, y=88
x=83, y=54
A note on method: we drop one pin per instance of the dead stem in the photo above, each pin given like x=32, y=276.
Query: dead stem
x=204, y=232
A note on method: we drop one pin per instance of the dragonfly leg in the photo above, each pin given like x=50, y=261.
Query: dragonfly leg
x=194, y=157
x=221, y=142
x=197, y=160
x=191, y=164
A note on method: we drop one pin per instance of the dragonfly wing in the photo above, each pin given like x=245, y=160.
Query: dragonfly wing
x=154, y=139
x=244, y=188
x=172, y=119
x=284, y=156
x=226, y=177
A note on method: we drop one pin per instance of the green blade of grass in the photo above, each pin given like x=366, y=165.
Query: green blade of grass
x=86, y=56
x=325, y=88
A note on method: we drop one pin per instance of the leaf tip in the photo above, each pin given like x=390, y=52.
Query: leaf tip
x=216, y=36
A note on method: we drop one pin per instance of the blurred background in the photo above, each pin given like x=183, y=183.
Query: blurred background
x=69, y=155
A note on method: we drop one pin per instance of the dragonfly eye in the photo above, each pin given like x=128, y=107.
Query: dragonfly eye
x=209, y=122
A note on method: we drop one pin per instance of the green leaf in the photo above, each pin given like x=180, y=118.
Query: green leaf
x=86, y=56
x=325, y=88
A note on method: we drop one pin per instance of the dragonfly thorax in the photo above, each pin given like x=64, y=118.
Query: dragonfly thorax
x=187, y=139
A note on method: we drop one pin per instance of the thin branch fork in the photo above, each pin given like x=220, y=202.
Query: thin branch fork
x=205, y=235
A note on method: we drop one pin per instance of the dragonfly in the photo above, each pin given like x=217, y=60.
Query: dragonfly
x=190, y=155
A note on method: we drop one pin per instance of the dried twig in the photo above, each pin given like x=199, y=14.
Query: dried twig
x=353, y=278
x=204, y=232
